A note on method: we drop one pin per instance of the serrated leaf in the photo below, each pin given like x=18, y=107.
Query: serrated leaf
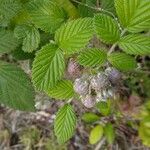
x=106, y=28
x=65, y=123
x=90, y=117
x=8, y=10
x=74, y=35
x=30, y=36
x=134, y=15
x=46, y=15
x=7, y=41
x=135, y=44
x=48, y=67
x=63, y=90
x=16, y=90
x=92, y=57
x=96, y=134
x=122, y=61
x=109, y=133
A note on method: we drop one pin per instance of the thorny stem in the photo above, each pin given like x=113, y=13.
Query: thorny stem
x=114, y=45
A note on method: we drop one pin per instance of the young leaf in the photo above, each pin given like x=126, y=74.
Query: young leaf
x=16, y=90
x=122, y=61
x=62, y=90
x=109, y=133
x=92, y=57
x=46, y=15
x=48, y=67
x=106, y=28
x=8, y=10
x=74, y=35
x=134, y=15
x=96, y=134
x=7, y=41
x=30, y=35
x=135, y=44
x=90, y=117
x=65, y=123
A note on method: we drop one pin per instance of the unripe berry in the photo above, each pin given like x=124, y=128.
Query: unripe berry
x=88, y=101
x=81, y=86
x=114, y=75
x=99, y=82
x=74, y=69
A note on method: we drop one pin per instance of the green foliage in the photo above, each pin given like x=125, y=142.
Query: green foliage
x=46, y=15
x=16, y=90
x=135, y=44
x=96, y=134
x=8, y=10
x=74, y=35
x=90, y=117
x=108, y=5
x=65, y=123
x=109, y=133
x=30, y=36
x=62, y=90
x=106, y=28
x=122, y=61
x=144, y=129
x=134, y=14
x=92, y=57
x=7, y=41
x=48, y=67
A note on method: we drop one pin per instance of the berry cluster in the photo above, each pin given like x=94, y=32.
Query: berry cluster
x=96, y=88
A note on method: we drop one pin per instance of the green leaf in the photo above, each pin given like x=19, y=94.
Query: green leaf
x=108, y=5
x=16, y=90
x=92, y=57
x=109, y=133
x=122, y=61
x=90, y=117
x=30, y=35
x=48, y=67
x=134, y=15
x=8, y=10
x=7, y=41
x=62, y=90
x=46, y=15
x=96, y=134
x=74, y=35
x=106, y=28
x=65, y=123
x=85, y=11
x=135, y=44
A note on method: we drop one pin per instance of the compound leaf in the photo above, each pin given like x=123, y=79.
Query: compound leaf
x=74, y=35
x=62, y=90
x=122, y=61
x=16, y=90
x=106, y=28
x=48, y=67
x=92, y=57
x=135, y=44
x=65, y=123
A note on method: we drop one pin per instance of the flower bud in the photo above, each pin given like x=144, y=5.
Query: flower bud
x=88, y=101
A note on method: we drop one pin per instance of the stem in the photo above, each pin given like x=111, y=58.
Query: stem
x=115, y=44
x=99, y=145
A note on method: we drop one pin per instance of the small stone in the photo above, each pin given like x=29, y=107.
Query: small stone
x=88, y=101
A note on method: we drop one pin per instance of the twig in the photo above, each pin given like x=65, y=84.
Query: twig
x=99, y=145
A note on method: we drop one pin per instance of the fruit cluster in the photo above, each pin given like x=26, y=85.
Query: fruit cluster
x=96, y=88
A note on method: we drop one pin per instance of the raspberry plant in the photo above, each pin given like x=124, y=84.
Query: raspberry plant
x=58, y=36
